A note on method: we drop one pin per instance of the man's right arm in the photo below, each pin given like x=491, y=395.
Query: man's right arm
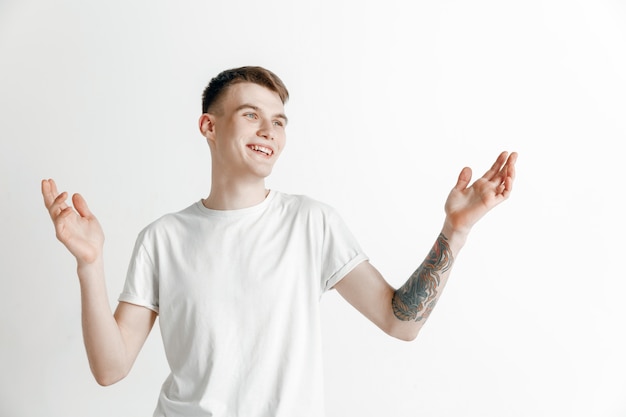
x=112, y=341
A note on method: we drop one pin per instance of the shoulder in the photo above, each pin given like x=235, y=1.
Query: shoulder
x=306, y=209
x=181, y=219
x=303, y=203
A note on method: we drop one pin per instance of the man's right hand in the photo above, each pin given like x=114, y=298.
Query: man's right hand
x=76, y=227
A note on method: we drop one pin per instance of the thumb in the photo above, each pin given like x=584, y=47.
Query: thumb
x=464, y=178
x=81, y=206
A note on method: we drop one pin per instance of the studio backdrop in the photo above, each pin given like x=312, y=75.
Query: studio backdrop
x=389, y=101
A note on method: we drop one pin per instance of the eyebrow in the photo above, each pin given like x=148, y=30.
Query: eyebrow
x=256, y=108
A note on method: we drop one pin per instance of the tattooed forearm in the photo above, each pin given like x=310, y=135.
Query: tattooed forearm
x=418, y=296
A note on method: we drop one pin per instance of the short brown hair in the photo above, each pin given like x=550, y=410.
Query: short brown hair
x=257, y=75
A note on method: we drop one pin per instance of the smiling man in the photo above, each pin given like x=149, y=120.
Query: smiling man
x=236, y=277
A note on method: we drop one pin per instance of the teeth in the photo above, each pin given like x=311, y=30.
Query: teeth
x=263, y=149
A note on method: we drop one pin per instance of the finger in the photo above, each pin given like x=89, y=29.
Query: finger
x=81, y=206
x=58, y=205
x=45, y=192
x=48, y=190
x=464, y=179
x=53, y=187
x=67, y=211
x=510, y=174
x=496, y=167
x=50, y=193
x=507, y=170
x=508, y=187
x=510, y=164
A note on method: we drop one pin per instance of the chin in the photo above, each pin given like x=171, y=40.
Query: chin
x=261, y=173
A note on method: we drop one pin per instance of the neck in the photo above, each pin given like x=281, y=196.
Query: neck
x=230, y=195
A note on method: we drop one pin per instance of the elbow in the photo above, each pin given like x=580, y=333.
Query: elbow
x=108, y=377
x=406, y=336
x=105, y=381
x=405, y=331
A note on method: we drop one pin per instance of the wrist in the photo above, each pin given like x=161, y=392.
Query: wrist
x=456, y=236
x=90, y=268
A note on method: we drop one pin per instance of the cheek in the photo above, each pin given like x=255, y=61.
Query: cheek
x=282, y=140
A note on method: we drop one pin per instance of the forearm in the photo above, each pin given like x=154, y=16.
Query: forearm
x=413, y=302
x=402, y=312
x=102, y=336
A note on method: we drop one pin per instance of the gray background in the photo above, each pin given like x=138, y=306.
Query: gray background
x=389, y=101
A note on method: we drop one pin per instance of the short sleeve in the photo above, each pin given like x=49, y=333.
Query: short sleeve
x=142, y=285
x=340, y=251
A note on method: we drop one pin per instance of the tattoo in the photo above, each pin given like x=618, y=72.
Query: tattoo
x=416, y=299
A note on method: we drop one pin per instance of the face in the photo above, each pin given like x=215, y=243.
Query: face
x=247, y=131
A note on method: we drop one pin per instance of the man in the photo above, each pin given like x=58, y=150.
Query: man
x=236, y=277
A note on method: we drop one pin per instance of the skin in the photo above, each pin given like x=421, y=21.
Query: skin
x=112, y=341
x=252, y=117
x=248, y=115
x=366, y=289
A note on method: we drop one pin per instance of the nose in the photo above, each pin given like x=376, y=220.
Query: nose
x=266, y=130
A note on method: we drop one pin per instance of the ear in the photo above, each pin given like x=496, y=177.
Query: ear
x=206, y=123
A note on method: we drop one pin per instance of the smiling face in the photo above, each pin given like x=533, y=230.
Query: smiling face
x=246, y=131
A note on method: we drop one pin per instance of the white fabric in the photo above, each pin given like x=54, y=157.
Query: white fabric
x=237, y=293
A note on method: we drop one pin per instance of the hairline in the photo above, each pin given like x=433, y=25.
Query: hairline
x=217, y=108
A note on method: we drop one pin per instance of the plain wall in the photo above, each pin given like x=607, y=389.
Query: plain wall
x=389, y=100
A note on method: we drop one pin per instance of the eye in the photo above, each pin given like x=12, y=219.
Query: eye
x=250, y=116
x=278, y=123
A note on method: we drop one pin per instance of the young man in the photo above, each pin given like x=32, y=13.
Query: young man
x=236, y=277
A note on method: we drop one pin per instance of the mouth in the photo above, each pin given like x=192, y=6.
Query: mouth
x=262, y=150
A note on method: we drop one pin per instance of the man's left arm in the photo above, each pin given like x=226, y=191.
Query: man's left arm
x=402, y=312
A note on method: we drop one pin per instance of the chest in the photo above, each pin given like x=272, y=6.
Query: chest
x=225, y=268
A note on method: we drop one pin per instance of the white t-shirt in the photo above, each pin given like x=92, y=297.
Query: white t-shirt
x=237, y=293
